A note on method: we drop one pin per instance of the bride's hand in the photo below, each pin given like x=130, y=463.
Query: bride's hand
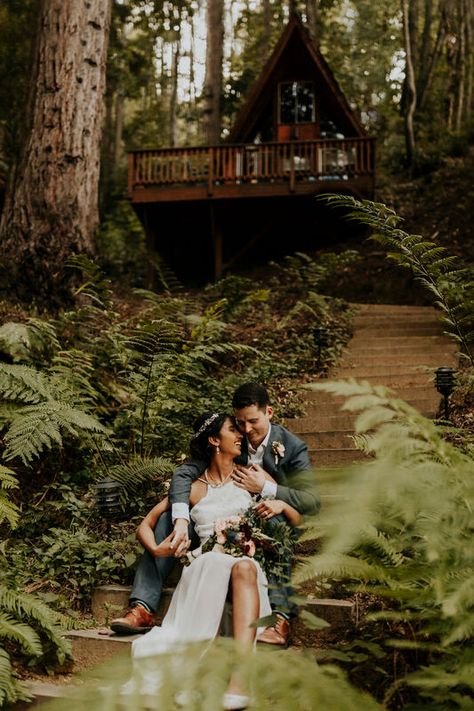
x=167, y=549
x=270, y=508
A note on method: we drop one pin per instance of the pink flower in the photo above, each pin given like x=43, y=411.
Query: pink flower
x=221, y=537
x=221, y=524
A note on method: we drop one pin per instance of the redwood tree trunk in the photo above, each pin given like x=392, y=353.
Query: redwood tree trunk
x=51, y=208
x=213, y=81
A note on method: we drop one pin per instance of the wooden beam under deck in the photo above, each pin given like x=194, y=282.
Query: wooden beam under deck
x=360, y=186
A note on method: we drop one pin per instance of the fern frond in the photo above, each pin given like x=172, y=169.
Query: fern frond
x=96, y=286
x=46, y=621
x=139, y=471
x=24, y=384
x=10, y=689
x=21, y=634
x=39, y=427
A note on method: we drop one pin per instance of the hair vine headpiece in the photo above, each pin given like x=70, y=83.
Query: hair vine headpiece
x=206, y=424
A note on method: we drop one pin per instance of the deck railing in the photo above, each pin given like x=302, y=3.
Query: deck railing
x=334, y=159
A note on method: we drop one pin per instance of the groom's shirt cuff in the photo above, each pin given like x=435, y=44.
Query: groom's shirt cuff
x=180, y=511
x=269, y=490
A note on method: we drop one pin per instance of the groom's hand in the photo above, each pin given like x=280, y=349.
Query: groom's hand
x=180, y=542
x=250, y=478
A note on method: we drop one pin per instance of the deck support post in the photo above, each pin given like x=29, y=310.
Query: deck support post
x=150, y=238
x=216, y=234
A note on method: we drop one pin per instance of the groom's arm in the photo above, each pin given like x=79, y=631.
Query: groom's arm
x=296, y=470
x=303, y=494
x=180, y=487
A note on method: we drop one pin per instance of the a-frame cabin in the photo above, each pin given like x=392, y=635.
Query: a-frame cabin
x=250, y=199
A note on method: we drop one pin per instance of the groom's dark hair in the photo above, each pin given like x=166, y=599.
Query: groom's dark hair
x=250, y=394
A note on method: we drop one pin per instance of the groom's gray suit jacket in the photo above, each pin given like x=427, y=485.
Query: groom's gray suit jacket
x=301, y=494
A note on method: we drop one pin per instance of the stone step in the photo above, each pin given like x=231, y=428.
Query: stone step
x=396, y=360
x=400, y=332
x=424, y=405
x=395, y=308
x=371, y=368
x=374, y=348
x=414, y=393
x=93, y=646
x=335, y=457
x=345, y=420
x=405, y=385
x=386, y=340
x=396, y=320
x=341, y=439
x=42, y=693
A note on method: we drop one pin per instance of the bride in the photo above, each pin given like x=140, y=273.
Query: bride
x=198, y=601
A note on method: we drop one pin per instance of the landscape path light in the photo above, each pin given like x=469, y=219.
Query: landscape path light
x=108, y=497
x=445, y=379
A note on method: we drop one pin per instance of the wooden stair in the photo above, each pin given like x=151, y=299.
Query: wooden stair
x=396, y=346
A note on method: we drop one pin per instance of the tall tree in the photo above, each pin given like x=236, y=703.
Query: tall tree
x=313, y=20
x=409, y=28
x=51, y=207
x=213, y=81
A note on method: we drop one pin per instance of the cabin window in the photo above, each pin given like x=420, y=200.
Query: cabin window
x=296, y=102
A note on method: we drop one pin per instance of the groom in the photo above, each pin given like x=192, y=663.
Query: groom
x=265, y=448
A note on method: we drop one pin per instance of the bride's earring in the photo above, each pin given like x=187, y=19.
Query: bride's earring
x=218, y=449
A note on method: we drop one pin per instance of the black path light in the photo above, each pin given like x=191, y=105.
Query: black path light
x=108, y=497
x=321, y=340
x=445, y=379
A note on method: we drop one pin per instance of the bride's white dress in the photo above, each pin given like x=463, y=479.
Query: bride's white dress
x=197, y=604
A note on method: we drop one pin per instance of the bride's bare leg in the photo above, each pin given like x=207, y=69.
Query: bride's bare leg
x=245, y=600
x=245, y=609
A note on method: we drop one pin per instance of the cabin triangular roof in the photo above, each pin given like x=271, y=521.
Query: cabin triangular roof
x=264, y=87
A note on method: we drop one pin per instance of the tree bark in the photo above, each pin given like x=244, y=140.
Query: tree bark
x=410, y=107
x=213, y=80
x=51, y=210
x=267, y=29
x=313, y=20
x=173, y=129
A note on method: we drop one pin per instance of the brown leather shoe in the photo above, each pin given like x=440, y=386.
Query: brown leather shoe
x=136, y=621
x=279, y=634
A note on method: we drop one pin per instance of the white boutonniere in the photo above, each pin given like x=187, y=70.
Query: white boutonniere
x=278, y=449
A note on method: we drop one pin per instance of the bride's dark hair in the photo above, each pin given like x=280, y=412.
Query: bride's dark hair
x=209, y=424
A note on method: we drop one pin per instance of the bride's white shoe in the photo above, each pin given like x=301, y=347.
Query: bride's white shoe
x=233, y=702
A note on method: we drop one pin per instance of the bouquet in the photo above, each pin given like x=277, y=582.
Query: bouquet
x=249, y=535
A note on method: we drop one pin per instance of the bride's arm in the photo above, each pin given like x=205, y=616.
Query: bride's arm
x=146, y=536
x=272, y=507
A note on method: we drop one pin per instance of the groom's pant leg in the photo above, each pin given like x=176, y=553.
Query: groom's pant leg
x=152, y=572
x=279, y=587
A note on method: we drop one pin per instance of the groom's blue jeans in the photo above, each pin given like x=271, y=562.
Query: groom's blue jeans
x=152, y=572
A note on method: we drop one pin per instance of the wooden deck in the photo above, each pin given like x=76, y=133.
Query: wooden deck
x=252, y=170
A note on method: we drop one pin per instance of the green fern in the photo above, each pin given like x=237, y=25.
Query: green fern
x=39, y=427
x=31, y=629
x=451, y=286
x=406, y=537
x=138, y=472
x=21, y=634
x=9, y=512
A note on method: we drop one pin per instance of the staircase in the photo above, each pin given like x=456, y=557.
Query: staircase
x=396, y=346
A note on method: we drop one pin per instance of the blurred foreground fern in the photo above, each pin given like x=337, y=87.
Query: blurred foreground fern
x=407, y=537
